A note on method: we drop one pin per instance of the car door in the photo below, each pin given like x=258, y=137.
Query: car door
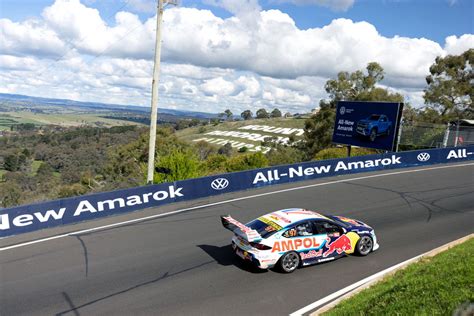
x=302, y=238
x=337, y=243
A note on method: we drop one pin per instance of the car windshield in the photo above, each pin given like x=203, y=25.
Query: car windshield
x=262, y=228
x=338, y=221
x=374, y=117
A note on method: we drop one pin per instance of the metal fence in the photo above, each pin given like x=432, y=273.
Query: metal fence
x=426, y=135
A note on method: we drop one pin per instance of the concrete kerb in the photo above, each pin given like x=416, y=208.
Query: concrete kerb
x=405, y=264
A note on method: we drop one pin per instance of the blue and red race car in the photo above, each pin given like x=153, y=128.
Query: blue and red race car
x=295, y=237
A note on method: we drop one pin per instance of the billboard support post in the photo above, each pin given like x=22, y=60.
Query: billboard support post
x=349, y=150
x=446, y=136
x=457, y=134
x=399, y=136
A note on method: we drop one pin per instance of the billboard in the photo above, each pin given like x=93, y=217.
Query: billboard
x=367, y=124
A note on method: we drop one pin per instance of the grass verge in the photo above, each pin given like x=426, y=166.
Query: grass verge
x=433, y=286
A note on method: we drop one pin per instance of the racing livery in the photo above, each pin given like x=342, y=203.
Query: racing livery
x=295, y=237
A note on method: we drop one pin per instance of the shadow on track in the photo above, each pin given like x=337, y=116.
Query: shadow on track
x=225, y=256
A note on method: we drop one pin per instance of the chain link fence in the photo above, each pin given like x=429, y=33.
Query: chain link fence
x=417, y=135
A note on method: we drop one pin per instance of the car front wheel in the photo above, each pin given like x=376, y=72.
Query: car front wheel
x=289, y=262
x=364, y=246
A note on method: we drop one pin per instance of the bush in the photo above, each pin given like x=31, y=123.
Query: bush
x=226, y=150
x=216, y=163
x=181, y=163
x=243, y=149
x=246, y=162
x=338, y=152
x=71, y=190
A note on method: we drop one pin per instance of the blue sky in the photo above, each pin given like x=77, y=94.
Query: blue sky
x=218, y=54
x=432, y=19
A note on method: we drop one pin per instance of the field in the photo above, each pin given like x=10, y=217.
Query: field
x=63, y=119
x=249, y=134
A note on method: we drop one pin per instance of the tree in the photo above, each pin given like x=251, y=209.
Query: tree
x=355, y=86
x=246, y=162
x=225, y=150
x=276, y=113
x=450, y=89
x=228, y=113
x=10, y=194
x=11, y=162
x=262, y=113
x=246, y=115
x=181, y=163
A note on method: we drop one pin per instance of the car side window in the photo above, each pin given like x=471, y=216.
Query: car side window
x=304, y=229
x=383, y=119
x=301, y=229
x=290, y=233
x=328, y=228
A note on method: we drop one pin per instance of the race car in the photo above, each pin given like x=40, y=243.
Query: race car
x=290, y=238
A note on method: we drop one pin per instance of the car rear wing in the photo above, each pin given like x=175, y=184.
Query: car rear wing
x=240, y=229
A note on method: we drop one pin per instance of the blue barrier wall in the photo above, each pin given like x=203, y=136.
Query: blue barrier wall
x=27, y=218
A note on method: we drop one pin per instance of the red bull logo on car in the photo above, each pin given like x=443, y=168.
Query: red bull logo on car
x=340, y=245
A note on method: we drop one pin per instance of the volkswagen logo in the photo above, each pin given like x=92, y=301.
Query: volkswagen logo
x=219, y=184
x=342, y=110
x=423, y=157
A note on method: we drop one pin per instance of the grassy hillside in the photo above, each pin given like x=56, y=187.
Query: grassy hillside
x=62, y=119
x=247, y=134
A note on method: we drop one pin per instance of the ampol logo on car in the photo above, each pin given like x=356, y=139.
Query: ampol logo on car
x=422, y=157
x=219, y=184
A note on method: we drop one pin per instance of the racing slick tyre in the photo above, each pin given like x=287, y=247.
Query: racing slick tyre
x=364, y=246
x=289, y=262
x=373, y=134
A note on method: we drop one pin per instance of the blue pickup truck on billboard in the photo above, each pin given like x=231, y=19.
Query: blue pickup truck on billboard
x=367, y=124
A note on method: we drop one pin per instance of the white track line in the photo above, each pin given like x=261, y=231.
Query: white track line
x=223, y=202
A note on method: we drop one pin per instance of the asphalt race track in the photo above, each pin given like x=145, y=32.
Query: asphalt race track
x=182, y=263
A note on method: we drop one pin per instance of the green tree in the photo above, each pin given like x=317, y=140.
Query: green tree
x=216, y=163
x=356, y=86
x=229, y=114
x=276, y=113
x=226, y=150
x=10, y=194
x=181, y=163
x=450, y=89
x=11, y=162
x=262, y=113
x=246, y=115
x=246, y=162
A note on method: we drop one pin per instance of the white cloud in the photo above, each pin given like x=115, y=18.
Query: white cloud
x=217, y=86
x=31, y=37
x=456, y=46
x=251, y=60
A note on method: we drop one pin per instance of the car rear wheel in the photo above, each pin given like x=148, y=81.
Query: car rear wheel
x=364, y=246
x=289, y=262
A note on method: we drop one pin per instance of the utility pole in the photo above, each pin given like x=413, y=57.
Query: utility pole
x=154, y=95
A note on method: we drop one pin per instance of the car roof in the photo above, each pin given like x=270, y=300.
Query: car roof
x=287, y=217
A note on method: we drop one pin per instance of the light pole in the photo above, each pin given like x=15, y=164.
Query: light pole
x=154, y=90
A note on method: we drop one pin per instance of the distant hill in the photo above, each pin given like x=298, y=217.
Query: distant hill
x=99, y=106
